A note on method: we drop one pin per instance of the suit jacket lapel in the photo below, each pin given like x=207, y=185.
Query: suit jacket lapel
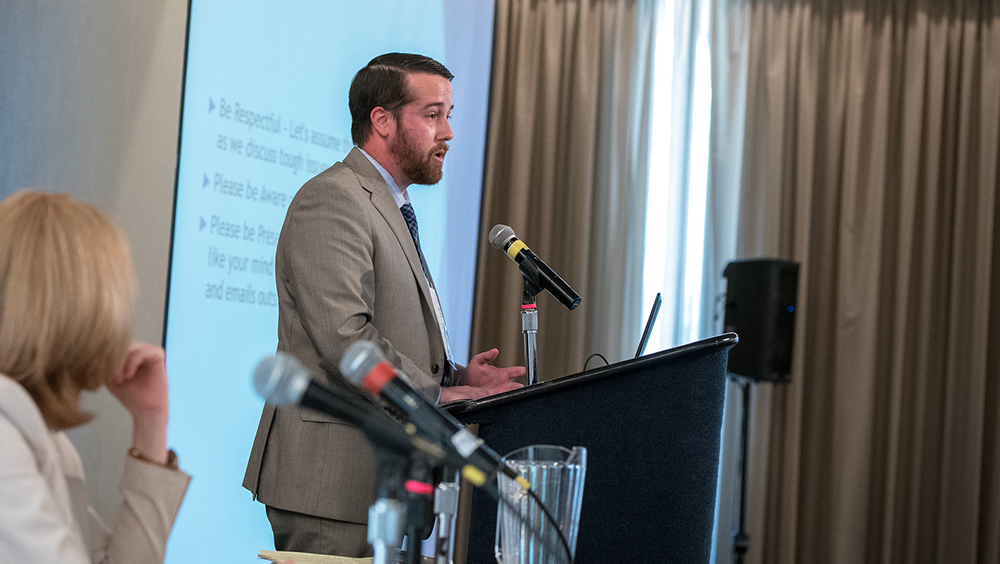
x=383, y=201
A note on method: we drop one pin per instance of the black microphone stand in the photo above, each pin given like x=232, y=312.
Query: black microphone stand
x=396, y=454
x=385, y=517
x=419, y=507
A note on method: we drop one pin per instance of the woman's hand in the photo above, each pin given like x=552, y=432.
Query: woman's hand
x=141, y=386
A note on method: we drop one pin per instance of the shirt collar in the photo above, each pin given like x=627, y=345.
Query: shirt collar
x=400, y=196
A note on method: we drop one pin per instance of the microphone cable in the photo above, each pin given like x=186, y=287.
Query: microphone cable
x=591, y=357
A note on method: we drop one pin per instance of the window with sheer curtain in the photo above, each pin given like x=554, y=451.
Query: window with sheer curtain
x=678, y=172
x=690, y=211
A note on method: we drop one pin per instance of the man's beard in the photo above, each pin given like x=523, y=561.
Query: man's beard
x=418, y=168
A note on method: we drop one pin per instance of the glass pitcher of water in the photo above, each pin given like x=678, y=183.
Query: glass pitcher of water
x=525, y=535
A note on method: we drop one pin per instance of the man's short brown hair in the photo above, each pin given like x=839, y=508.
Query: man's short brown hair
x=382, y=83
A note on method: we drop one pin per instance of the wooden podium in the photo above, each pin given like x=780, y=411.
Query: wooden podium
x=652, y=429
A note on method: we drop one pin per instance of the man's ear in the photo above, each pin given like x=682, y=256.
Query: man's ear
x=383, y=122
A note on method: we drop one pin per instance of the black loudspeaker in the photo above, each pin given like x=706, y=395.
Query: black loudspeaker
x=760, y=308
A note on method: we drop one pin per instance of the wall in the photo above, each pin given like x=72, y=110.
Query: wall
x=89, y=105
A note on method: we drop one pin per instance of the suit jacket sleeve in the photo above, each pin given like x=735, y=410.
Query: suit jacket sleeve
x=151, y=497
x=44, y=511
x=327, y=252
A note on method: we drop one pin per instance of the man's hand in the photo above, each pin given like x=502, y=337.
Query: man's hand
x=480, y=379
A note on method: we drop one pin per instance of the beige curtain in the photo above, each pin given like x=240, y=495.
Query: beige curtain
x=567, y=169
x=870, y=156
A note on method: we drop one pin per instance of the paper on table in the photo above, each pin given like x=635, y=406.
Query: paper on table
x=308, y=558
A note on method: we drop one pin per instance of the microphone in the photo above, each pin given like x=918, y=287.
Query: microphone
x=282, y=380
x=503, y=239
x=364, y=365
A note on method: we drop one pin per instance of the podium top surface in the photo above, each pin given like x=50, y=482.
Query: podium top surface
x=696, y=349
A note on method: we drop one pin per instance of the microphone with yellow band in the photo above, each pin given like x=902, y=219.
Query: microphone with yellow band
x=502, y=238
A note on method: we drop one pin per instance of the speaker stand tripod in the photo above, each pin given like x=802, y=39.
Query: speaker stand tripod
x=741, y=540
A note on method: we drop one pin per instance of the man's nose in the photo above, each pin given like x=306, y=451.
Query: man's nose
x=445, y=133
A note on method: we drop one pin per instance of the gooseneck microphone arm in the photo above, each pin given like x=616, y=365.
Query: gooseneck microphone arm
x=282, y=380
x=381, y=431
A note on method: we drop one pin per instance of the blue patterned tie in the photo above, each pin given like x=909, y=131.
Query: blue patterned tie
x=411, y=224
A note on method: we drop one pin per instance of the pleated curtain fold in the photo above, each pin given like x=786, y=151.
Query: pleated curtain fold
x=567, y=167
x=870, y=155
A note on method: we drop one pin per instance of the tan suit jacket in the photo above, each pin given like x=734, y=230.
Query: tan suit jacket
x=346, y=270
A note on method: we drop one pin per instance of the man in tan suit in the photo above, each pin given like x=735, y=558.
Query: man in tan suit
x=349, y=267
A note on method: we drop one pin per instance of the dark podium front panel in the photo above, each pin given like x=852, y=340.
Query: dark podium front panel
x=652, y=429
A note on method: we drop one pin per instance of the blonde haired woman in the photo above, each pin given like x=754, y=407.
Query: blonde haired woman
x=66, y=296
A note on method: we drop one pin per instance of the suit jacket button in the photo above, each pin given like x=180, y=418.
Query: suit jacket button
x=435, y=368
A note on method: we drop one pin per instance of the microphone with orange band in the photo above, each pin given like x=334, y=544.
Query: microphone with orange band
x=364, y=365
